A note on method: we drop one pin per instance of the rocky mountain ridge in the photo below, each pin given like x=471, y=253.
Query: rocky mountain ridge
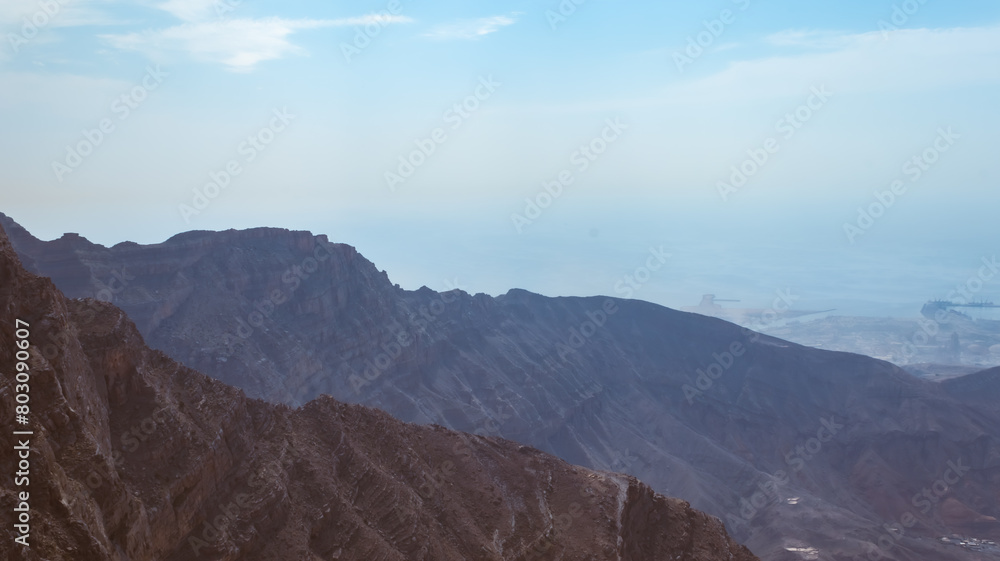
x=135, y=457
x=805, y=454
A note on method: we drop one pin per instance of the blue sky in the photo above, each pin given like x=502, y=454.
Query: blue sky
x=535, y=91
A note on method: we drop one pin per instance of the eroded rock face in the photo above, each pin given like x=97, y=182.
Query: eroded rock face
x=804, y=453
x=136, y=457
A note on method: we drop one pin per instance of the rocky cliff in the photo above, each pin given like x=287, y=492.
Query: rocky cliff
x=136, y=457
x=805, y=454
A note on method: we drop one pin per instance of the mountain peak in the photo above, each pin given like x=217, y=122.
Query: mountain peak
x=138, y=458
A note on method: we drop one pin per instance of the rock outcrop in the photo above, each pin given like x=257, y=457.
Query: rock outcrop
x=136, y=457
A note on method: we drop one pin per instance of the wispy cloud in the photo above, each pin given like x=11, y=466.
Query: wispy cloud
x=907, y=60
x=725, y=47
x=370, y=18
x=470, y=29
x=239, y=44
x=191, y=10
x=814, y=39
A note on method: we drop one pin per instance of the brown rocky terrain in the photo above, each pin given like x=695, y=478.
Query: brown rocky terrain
x=806, y=454
x=136, y=457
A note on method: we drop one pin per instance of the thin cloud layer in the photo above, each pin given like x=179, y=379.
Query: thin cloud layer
x=470, y=29
x=191, y=10
x=239, y=44
x=908, y=60
x=812, y=39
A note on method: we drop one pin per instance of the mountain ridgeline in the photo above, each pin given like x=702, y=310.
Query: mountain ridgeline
x=135, y=457
x=803, y=453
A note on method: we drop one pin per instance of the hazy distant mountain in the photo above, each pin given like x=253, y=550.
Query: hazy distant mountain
x=135, y=457
x=806, y=454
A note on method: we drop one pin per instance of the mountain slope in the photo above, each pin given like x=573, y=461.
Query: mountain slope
x=982, y=388
x=135, y=457
x=804, y=453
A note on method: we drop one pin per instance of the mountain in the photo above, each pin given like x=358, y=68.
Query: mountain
x=804, y=453
x=981, y=388
x=136, y=457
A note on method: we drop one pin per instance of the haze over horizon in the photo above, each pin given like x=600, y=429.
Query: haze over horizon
x=616, y=281
x=848, y=95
